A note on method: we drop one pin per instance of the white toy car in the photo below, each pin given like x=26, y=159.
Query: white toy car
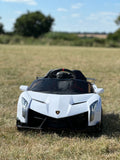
x=60, y=100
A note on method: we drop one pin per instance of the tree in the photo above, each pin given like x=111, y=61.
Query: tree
x=117, y=21
x=1, y=28
x=116, y=35
x=33, y=24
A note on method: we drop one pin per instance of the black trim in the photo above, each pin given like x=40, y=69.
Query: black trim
x=79, y=121
x=79, y=75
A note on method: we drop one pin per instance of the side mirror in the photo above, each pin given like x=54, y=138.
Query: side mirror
x=98, y=90
x=23, y=88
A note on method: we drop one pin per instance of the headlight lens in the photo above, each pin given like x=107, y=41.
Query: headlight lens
x=24, y=107
x=92, y=110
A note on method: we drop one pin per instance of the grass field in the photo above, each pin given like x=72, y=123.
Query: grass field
x=20, y=65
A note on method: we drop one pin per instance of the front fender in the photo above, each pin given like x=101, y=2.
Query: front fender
x=19, y=106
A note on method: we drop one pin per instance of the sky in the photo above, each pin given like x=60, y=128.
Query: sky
x=69, y=15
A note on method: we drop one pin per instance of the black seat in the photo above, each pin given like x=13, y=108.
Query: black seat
x=79, y=75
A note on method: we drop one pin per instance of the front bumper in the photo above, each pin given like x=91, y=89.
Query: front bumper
x=39, y=121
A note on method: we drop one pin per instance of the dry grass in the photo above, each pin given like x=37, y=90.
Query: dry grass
x=20, y=65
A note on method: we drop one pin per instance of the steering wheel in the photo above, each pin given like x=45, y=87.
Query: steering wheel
x=53, y=73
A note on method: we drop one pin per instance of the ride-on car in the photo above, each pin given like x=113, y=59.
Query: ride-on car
x=62, y=99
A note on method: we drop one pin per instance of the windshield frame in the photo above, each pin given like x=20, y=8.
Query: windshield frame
x=61, y=84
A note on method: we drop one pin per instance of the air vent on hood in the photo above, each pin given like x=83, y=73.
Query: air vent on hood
x=38, y=101
x=79, y=103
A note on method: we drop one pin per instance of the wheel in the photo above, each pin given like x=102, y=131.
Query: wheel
x=18, y=125
x=98, y=128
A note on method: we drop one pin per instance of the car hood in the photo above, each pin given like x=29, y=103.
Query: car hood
x=59, y=106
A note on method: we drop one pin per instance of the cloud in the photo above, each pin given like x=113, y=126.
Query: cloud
x=18, y=12
x=75, y=15
x=29, y=2
x=62, y=10
x=109, y=13
x=77, y=5
x=102, y=21
x=102, y=15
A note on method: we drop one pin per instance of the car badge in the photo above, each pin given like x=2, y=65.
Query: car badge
x=57, y=112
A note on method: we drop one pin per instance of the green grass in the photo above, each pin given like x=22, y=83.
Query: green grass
x=20, y=65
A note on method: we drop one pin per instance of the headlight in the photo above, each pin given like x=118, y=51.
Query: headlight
x=24, y=107
x=92, y=110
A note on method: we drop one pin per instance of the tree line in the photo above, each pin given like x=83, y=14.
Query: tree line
x=35, y=24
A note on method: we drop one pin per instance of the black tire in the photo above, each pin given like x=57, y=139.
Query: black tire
x=18, y=125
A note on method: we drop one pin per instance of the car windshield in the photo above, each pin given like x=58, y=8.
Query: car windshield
x=61, y=86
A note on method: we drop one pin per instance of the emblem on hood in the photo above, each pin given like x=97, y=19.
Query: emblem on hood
x=57, y=112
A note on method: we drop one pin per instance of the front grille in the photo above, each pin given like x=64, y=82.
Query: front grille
x=77, y=122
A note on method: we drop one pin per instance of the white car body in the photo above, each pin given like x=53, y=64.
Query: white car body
x=55, y=107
